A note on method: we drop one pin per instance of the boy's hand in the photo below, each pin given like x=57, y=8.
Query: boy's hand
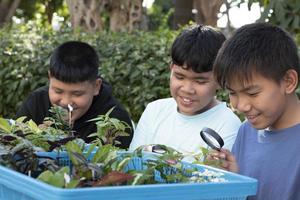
x=227, y=159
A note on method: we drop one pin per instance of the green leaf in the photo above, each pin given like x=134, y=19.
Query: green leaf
x=104, y=153
x=45, y=176
x=74, y=151
x=73, y=147
x=296, y=22
x=72, y=184
x=33, y=126
x=90, y=149
x=21, y=119
x=286, y=22
x=57, y=180
x=5, y=126
x=63, y=170
x=297, y=5
x=123, y=164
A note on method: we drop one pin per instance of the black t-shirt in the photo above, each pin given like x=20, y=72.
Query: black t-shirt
x=37, y=105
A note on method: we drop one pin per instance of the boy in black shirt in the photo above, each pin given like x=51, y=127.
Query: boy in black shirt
x=74, y=80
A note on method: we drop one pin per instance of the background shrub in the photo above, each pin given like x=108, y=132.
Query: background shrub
x=136, y=65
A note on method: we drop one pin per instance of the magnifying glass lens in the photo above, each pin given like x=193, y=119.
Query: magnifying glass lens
x=158, y=149
x=212, y=138
x=213, y=141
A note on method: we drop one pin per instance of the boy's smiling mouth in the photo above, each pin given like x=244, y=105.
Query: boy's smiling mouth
x=252, y=118
x=186, y=101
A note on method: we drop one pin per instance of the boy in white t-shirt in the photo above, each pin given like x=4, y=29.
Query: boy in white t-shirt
x=177, y=122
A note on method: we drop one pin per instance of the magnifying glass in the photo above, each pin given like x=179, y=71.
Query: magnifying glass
x=159, y=149
x=212, y=138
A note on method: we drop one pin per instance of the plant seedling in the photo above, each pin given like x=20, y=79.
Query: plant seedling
x=108, y=129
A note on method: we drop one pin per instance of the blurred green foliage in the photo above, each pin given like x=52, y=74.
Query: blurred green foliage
x=285, y=13
x=41, y=11
x=136, y=65
x=160, y=15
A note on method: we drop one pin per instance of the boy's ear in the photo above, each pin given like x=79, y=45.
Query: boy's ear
x=171, y=65
x=290, y=80
x=98, y=84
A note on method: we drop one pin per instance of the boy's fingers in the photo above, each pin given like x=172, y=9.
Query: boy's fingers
x=228, y=161
x=228, y=155
x=225, y=165
x=218, y=154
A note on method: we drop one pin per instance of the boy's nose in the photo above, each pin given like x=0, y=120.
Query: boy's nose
x=188, y=87
x=242, y=105
x=65, y=101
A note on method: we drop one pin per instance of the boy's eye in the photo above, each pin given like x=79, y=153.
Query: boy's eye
x=231, y=93
x=178, y=77
x=201, y=81
x=58, y=91
x=253, y=94
x=78, y=94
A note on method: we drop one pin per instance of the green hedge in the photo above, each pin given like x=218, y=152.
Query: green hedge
x=135, y=64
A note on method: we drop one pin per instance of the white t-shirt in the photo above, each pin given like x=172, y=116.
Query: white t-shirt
x=161, y=123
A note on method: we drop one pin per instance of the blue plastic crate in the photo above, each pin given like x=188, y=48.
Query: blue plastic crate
x=16, y=186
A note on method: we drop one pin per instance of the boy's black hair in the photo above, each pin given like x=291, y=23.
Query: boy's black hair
x=74, y=62
x=261, y=48
x=196, y=48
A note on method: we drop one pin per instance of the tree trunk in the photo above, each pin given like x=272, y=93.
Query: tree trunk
x=118, y=14
x=135, y=14
x=49, y=9
x=86, y=14
x=207, y=11
x=7, y=10
x=183, y=12
x=124, y=15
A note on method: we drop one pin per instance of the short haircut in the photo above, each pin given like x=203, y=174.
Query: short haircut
x=256, y=48
x=74, y=62
x=196, y=47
